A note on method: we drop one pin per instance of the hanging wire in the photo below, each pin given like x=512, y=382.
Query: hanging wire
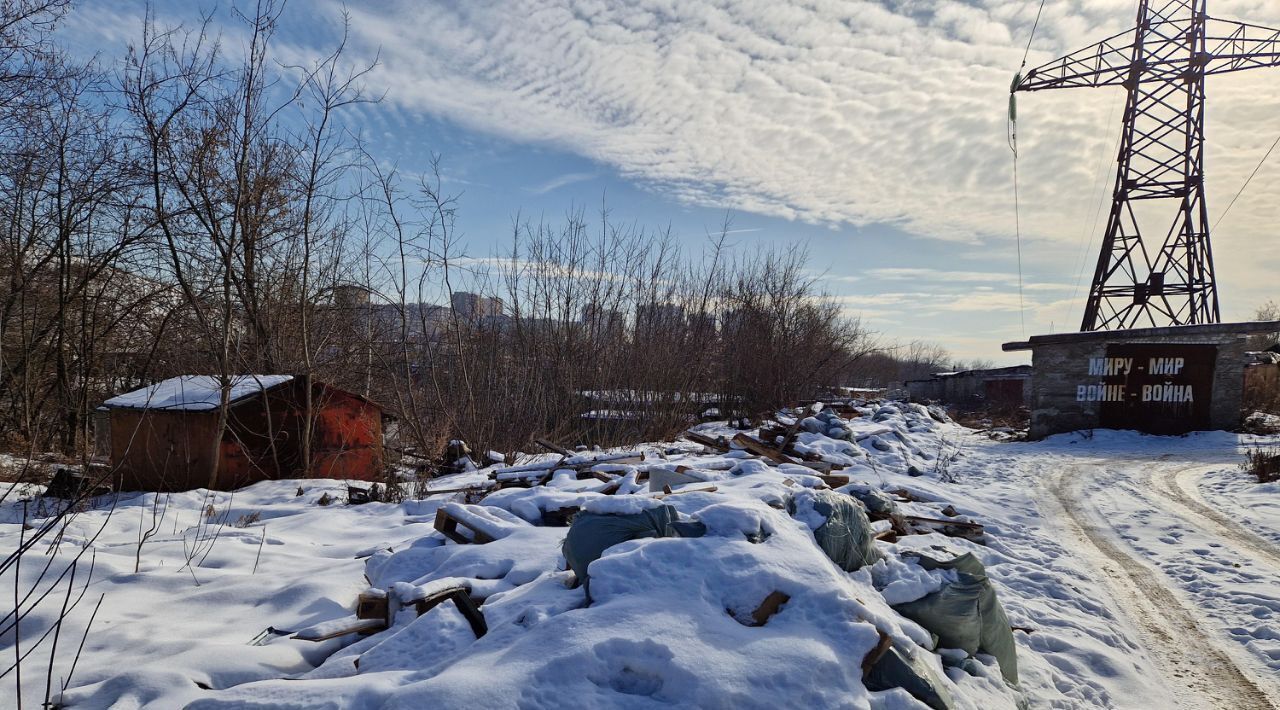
x=1017, y=222
x=1245, y=185
x=1034, y=25
x=1012, y=129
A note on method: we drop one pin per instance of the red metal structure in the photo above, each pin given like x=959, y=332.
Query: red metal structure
x=160, y=446
x=1168, y=278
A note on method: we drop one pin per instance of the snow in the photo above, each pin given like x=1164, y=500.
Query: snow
x=194, y=392
x=668, y=620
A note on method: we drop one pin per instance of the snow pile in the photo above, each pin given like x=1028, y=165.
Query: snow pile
x=671, y=620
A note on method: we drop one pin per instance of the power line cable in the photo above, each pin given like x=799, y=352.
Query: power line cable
x=1012, y=129
x=1245, y=185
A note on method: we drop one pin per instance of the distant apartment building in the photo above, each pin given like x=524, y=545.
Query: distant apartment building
x=653, y=316
x=473, y=307
x=702, y=323
x=604, y=322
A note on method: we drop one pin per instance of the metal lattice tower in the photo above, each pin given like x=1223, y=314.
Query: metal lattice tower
x=1156, y=266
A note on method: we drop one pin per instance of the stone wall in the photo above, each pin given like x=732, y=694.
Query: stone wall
x=1061, y=366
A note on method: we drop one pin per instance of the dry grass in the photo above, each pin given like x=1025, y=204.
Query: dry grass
x=1263, y=464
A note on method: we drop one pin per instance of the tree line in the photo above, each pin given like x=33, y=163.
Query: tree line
x=188, y=209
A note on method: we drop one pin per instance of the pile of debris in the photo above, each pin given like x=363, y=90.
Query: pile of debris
x=756, y=552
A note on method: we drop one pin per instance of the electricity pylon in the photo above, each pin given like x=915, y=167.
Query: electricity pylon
x=1158, y=197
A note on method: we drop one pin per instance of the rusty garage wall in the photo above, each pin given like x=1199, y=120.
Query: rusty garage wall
x=172, y=449
x=1004, y=386
x=1159, y=380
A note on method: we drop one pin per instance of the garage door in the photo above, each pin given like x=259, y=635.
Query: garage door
x=1160, y=389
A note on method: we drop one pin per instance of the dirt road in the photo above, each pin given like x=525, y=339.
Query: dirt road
x=1120, y=514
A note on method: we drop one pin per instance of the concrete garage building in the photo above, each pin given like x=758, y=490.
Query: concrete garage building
x=999, y=387
x=1168, y=380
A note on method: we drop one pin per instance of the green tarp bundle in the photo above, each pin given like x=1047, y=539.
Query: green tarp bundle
x=966, y=614
x=593, y=533
x=913, y=674
x=846, y=537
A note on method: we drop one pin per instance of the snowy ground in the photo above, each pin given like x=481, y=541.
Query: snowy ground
x=1145, y=568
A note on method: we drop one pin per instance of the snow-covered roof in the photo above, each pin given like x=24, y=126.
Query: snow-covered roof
x=194, y=392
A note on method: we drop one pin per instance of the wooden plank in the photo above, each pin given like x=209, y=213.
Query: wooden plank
x=448, y=527
x=371, y=606
x=874, y=655
x=759, y=448
x=468, y=489
x=950, y=528
x=768, y=607
x=340, y=627
x=461, y=598
x=706, y=441
x=666, y=491
x=790, y=437
x=936, y=521
x=552, y=447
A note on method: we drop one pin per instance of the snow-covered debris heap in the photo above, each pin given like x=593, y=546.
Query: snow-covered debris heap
x=744, y=578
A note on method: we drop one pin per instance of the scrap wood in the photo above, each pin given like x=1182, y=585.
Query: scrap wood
x=884, y=529
x=466, y=489
x=372, y=605
x=907, y=495
x=428, y=596
x=552, y=447
x=874, y=655
x=759, y=448
x=621, y=460
x=790, y=436
x=834, y=481
x=936, y=521
x=529, y=471
x=718, y=444
x=768, y=608
x=334, y=628
x=950, y=528
x=822, y=467
x=450, y=516
x=461, y=598
x=267, y=634
x=576, y=462
x=666, y=491
x=448, y=526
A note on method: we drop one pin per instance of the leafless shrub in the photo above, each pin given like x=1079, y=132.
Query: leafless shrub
x=1263, y=463
x=947, y=453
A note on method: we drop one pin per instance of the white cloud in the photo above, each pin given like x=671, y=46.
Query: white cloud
x=843, y=112
x=560, y=181
x=850, y=111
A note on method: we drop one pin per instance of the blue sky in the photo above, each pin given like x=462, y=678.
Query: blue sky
x=873, y=132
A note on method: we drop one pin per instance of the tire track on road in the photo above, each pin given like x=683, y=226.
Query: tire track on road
x=1198, y=672
x=1168, y=485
